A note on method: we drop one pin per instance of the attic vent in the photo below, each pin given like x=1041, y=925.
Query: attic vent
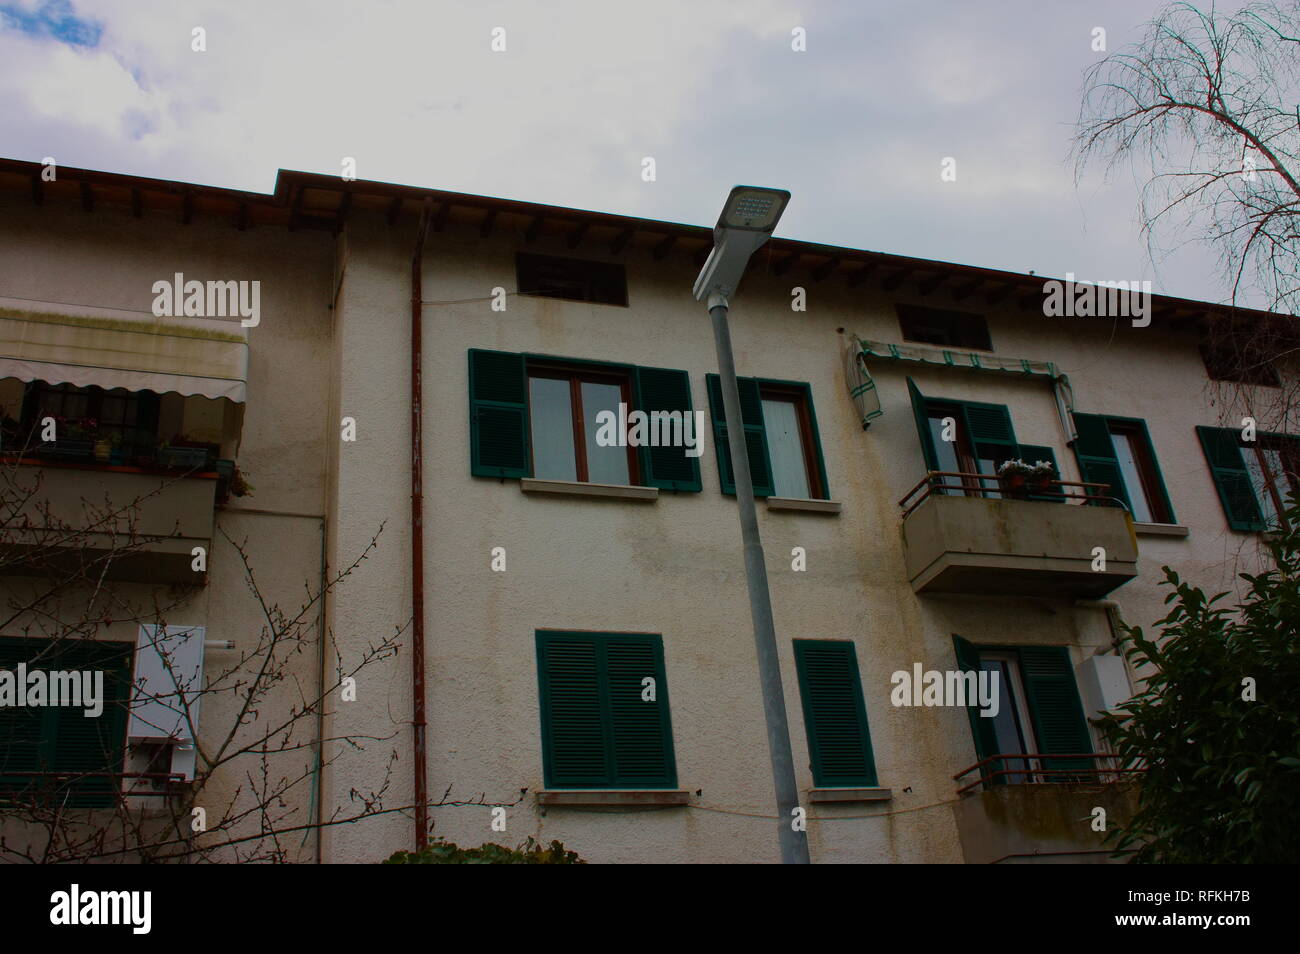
x=947, y=329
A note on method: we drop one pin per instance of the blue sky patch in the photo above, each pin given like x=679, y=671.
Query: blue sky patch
x=52, y=18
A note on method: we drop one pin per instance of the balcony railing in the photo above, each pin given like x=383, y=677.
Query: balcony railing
x=992, y=486
x=1031, y=768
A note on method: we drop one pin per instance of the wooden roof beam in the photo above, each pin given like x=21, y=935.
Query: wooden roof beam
x=485, y=229
x=822, y=271
x=578, y=234
x=620, y=241
x=534, y=228
x=664, y=247
x=894, y=281
x=787, y=263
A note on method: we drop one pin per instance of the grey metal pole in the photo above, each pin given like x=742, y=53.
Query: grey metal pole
x=794, y=844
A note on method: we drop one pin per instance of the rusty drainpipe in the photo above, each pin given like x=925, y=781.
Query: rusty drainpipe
x=418, y=721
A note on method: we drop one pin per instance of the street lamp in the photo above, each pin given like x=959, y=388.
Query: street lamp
x=747, y=221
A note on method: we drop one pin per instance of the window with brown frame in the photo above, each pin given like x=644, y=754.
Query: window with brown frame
x=944, y=327
x=1273, y=462
x=1137, y=465
x=573, y=279
x=563, y=403
x=790, y=441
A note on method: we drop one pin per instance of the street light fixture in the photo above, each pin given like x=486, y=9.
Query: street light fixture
x=747, y=221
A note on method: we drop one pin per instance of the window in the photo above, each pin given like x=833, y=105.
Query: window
x=1239, y=360
x=1118, y=451
x=1039, y=710
x=839, y=742
x=785, y=453
x=564, y=405
x=129, y=418
x=947, y=329
x=571, y=278
x=978, y=441
x=536, y=416
x=57, y=753
x=604, y=710
x=1253, y=478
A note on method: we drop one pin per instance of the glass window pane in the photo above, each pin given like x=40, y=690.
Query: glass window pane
x=1006, y=724
x=946, y=451
x=785, y=446
x=1259, y=481
x=1126, y=452
x=551, y=417
x=605, y=465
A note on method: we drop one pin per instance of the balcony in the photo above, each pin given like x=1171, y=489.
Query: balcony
x=971, y=533
x=68, y=514
x=1020, y=808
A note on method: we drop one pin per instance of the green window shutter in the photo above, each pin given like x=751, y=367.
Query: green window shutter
x=1052, y=697
x=61, y=739
x=981, y=728
x=989, y=425
x=597, y=732
x=1231, y=479
x=668, y=468
x=573, y=722
x=751, y=414
x=641, y=732
x=1095, y=452
x=1031, y=454
x=1160, y=488
x=923, y=426
x=498, y=414
x=839, y=741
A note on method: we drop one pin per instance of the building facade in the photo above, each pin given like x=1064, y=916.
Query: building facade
x=588, y=670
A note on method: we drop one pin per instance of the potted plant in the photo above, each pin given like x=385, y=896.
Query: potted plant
x=1018, y=477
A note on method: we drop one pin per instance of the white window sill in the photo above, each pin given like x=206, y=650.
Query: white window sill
x=1159, y=529
x=559, y=798
x=801, y=503
x=577, y=488
x=823, y=796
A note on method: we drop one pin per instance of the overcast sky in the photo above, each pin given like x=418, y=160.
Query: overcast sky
x=856, y=125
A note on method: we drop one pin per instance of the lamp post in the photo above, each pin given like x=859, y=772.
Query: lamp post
x=747, y=221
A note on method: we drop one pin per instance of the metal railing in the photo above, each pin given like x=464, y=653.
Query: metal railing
x=959, y=483
x=1028, y=768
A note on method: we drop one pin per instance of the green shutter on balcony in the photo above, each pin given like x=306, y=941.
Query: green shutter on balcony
x=1155, y=468
x=835, y=718
x=990, y=431
x=597, y=729
x=668, y=468
x=1052, y=697
x=61, y=739
x=1096, y=455
x=1231, y=479
x=981, y=728
x=751, y=413
x=922, y=417
x=498, y=414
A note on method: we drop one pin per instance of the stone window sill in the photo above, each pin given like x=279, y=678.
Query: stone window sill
x=613, y=797
x=800, y=503
x=1160, y=529
x=825, y=796
x=576, y=488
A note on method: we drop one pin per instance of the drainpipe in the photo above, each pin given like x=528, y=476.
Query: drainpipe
x=418, y=721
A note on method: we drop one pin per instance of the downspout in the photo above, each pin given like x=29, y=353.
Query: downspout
x=418, y=721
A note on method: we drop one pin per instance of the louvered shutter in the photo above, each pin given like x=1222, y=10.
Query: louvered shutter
x=597, y=731
x=981, y=728
x=498, y=414
x=62, y=739
x=1095, y=452
x=990, y=431
x=573, y=721
x=839, y=742
x=1231, y=479
x=640, y=729
x=1052, y=696
x=922, y=418
x=751, y=414
x=668, y=468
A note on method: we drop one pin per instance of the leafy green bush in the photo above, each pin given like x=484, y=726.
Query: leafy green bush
x=1223, y=763
x=440, y=852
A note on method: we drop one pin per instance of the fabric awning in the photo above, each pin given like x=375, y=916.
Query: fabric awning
x=140, y=353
